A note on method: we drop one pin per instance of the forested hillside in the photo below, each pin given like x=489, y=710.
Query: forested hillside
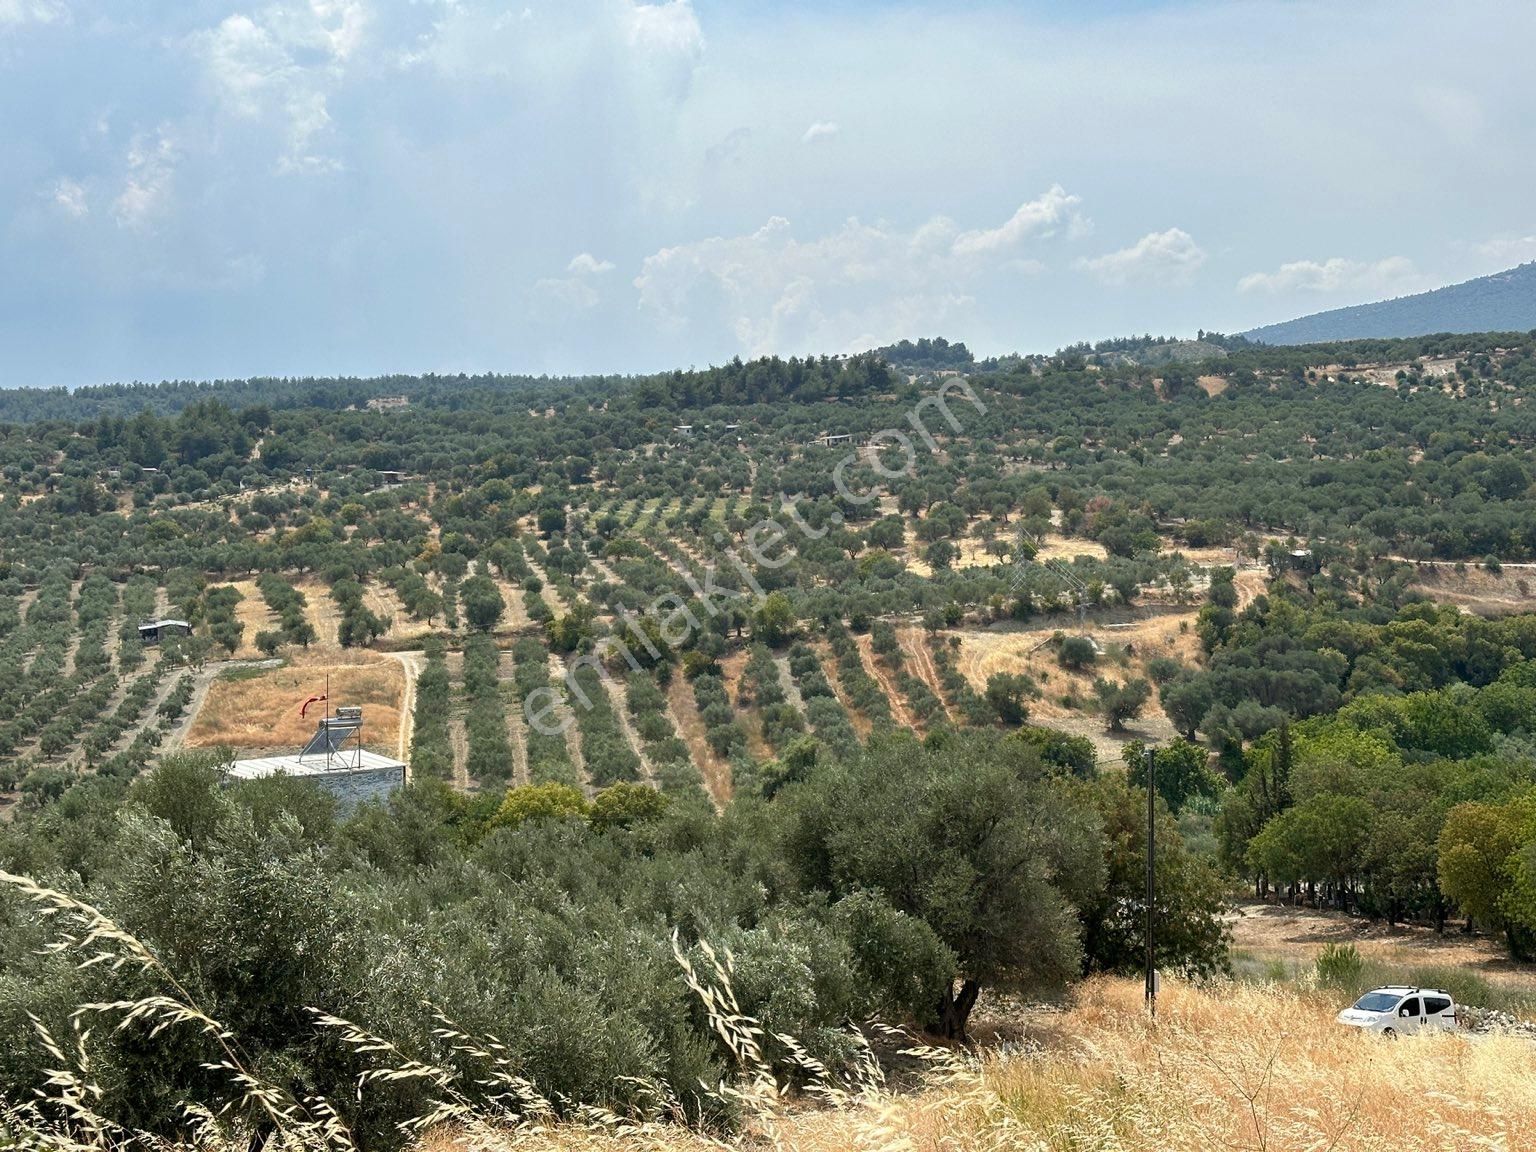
x=845, y=665
x=1503, y=302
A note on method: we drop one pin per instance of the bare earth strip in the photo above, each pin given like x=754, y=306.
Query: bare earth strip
x=169, y=678
x=618, y=698
x=787, y=682
x=557, y=671
x=515, y=721
x=547, y=591
x=459, y=738
x=602, y=572
x=322, y=613
x=114, y=642
x=920, y=662
x=690, y=728
x=898, y=700
x=519, y=745
x=254, y=616
x=860, y=722
x=70, y=653
x=748, y=717
x=411, y=664
x=515, y=618
x=381, y=600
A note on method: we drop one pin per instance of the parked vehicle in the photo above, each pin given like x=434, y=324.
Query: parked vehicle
x=1398, y=1009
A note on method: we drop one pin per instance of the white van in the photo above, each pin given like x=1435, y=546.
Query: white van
x=1398, y=1009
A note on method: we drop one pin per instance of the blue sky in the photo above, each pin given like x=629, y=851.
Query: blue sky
x=211, y=189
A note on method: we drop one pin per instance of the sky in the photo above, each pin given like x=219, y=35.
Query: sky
x=206, y=189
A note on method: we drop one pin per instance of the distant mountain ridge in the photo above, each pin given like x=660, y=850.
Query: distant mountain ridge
x=1502, y=302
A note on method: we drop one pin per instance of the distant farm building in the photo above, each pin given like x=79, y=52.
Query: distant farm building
x=832, y=440
x=336, y=760
x=1303, y=560
x=385, y=403
x=152, y=631
x=683, y=429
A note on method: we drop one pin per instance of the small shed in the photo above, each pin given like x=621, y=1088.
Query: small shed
x=151, y=631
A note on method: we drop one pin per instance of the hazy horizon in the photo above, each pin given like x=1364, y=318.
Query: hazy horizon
x=352, y=187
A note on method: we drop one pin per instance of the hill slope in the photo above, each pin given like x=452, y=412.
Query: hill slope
x=1503, y=302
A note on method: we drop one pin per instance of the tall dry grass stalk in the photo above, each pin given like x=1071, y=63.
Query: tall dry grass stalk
x=495, y=1108
x=1232, y=1067
x=64, y=1115
x=1260, y=1067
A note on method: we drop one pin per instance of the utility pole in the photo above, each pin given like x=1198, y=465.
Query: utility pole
x=1151, y=766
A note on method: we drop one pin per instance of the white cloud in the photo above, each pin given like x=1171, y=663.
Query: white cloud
x=146, y=193
x=576, y=292
x=586, y=264
x=282, y=62
x=670, y=29
x=1394, y=275
x=1507, y=251
x=855, y=287
x=69, y=197
x=548, y=44
x=1168, y=257
x=15, y=12
x=1039, y=217
x=820, y=130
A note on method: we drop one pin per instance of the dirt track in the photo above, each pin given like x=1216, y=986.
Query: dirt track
x=690, y=729
x=322, y=613
x=900, y=713
x=860, y=722
x=920, y=662
x=411, y=663
x=1276, y=932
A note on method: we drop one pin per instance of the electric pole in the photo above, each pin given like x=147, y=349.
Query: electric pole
x=1151, y=765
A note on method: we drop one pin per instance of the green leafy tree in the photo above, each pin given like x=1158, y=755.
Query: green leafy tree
x=1121, y=701
x=1008, y=694
x=482, y=603
x=774, y=621
x=1191, y=929
x=626, y=805
x=1181, y=769
x=1077, y=653
x=975, y=837
x=548, y=801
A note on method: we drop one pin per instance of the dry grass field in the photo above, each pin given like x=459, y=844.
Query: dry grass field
x=1026, y=648
x=259, y=709
x=253, y=613
x=1235, y=1067
x=1476, y=590
x=321, y=611
x=1276, y=936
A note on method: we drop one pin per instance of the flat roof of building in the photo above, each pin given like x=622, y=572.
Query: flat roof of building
x=319, y=765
